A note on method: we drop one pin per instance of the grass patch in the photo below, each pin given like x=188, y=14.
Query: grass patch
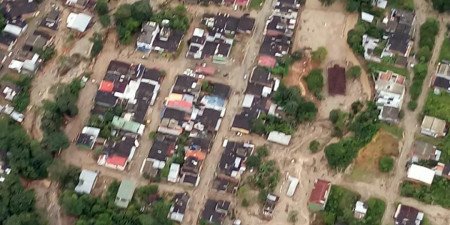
x=438, y=106
x=392, y=129
x=368, y=160
x=402, y=4
x=339, y=208
x=256, y=4
x=445, y=50
x=374, y=67
x=437, y=193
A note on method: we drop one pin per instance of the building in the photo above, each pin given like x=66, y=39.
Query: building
x=16, y=27
x=178, y=208
x=269, y=205
x=360, y=210
x=442, y=77
x=125, y=193
x=336, y=80
x=51, y=20
x=420, y=174
x=19, y=9
x=293, y=183
x=442, y=170
x=319, y=195
x=390, y=92
x=279, y=138
x=424, y=151
x=117, y=154
x=407, y=215
x=232, y=162
x=86, y=182
x=148, y=34
x=167, y=40
x=174, y=171
x=88, y=137
x=433, y=127
x=78, y=21
x=215, y=211
x=400, y=28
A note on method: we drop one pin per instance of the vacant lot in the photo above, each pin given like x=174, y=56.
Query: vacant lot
x=366, y=164
x=438, y=106
x=445, y=50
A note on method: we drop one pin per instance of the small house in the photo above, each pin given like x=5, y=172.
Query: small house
x=420, y=174
x=336, y=80
x=178, y=208
x=442, y=77
x=86, y=182
x=433, y=127
x=293, y=183
x=279, y=138
x=319, y=195
x=424, y=151
x=407, y=215
x=215, y=211
x=88, y=137
x=173, y=172
x=360, y=210
x=148, y=34
x=269, y=205
x=78, y=21
x=125, y=193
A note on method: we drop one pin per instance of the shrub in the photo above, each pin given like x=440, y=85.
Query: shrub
x=441, y=5
x=314, y=146
x=354, y=72
x=386, y=164
x=97, y=44
x=319, y=55
x=314, y=81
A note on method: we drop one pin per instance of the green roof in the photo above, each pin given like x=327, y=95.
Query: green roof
x=125, y=193
x=121, y=123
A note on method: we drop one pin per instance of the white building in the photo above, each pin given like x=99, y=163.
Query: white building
x=78, y=21
x=279, y=138
x=86, y=181
x=148, y=34
x=421, y=174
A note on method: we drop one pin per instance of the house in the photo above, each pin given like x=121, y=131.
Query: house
x=167, y=40
x=279, y=138
x=319, y=195
x=36, y=42
x=87, y=137
x=336, y=80
x=407, y=215
x=242, y=122
x=442, y=77
x=178, y=208
x=390, y=92
x=10, y=90
x=232, y=162
x=173, y=121
x=148, y=34
x=105, y=99
x=125, y=193
x=424, y=151
x=269, y=205
x=433, y=127
x=400, y=28
x=367, y=17
x=15, y=9
x=78, y=21
x=442, y=170
x=86, y=182
x=196, y=44
x=208, y=120
x=25, y=63
x=420, y=174
x=262, y=76
x=117, y=154
x=162, y=148
x=275, y=46
x=173, y=172
x=126, y=125
x=16, y=27
x=360, y=210
x=80, y=4
x=372, y=48
x=7, y=41
x=293, y=182
x=215, y=211
x=246, y=24
x=223, y=183
x=51, y=20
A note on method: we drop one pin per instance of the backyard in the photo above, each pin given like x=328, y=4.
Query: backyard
x=366, y=165
x=438, y=106
x=445, y=50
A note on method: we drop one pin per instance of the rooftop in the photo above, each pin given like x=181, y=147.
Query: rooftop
x=336, y=80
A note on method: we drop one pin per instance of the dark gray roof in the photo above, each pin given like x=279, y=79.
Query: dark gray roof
x=85, y=139
x=105, y=99
x=261, y=75
x=178, y=115
x=274, y=45
x=243, y=121
x=152, y=74
x=179, y=202
x=183, y=84
x=209, y=49
x=171, y=45
x=160, y=150
x=210, y=212
x=246, y=24
x=16, y=8
x=441, y=82
x=230, y=155
x=254, y=89
x=7, y=38
x=120, y=148
x=406, y=216
x=209, y=119
x=221, y=90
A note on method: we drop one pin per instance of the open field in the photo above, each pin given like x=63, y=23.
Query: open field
x=438, y=106
x=366, y=164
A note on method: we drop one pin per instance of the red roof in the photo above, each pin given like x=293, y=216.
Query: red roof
x=106, y=86
x=267, y=61
x=116, y=160
x=180, y=104
x=319, y=191
x=336, y=80
x=242, y=2
x=207, y=70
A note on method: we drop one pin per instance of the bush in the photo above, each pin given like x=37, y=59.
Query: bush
x=46, y=53
x=22, y=100
x=314, y=81
x=129, y=19
x=412, y=105
x=386, y=164
x=438, y=105
x=437, y=193
x=354, y=72
x=327, y=2
x=177, y=16
x=105, y=20
x=101, y=7
x=314, y=146
x=294, y=105
x=319, y=55
x=97, y=44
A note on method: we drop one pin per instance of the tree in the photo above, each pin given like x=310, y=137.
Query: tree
x=2, y=21
x=314, y=81
x=441, y=5
x=159, y=212
x=22, y=201
x=314, y=146
x=424, y=54
x=46, y=53
x=97, y=44
x=327, y=2
x=105, y=20
x=55, y=141
x=65, y=175
x=101, y=7
x=386, y=164
x=354, y=72
x=319, y=55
